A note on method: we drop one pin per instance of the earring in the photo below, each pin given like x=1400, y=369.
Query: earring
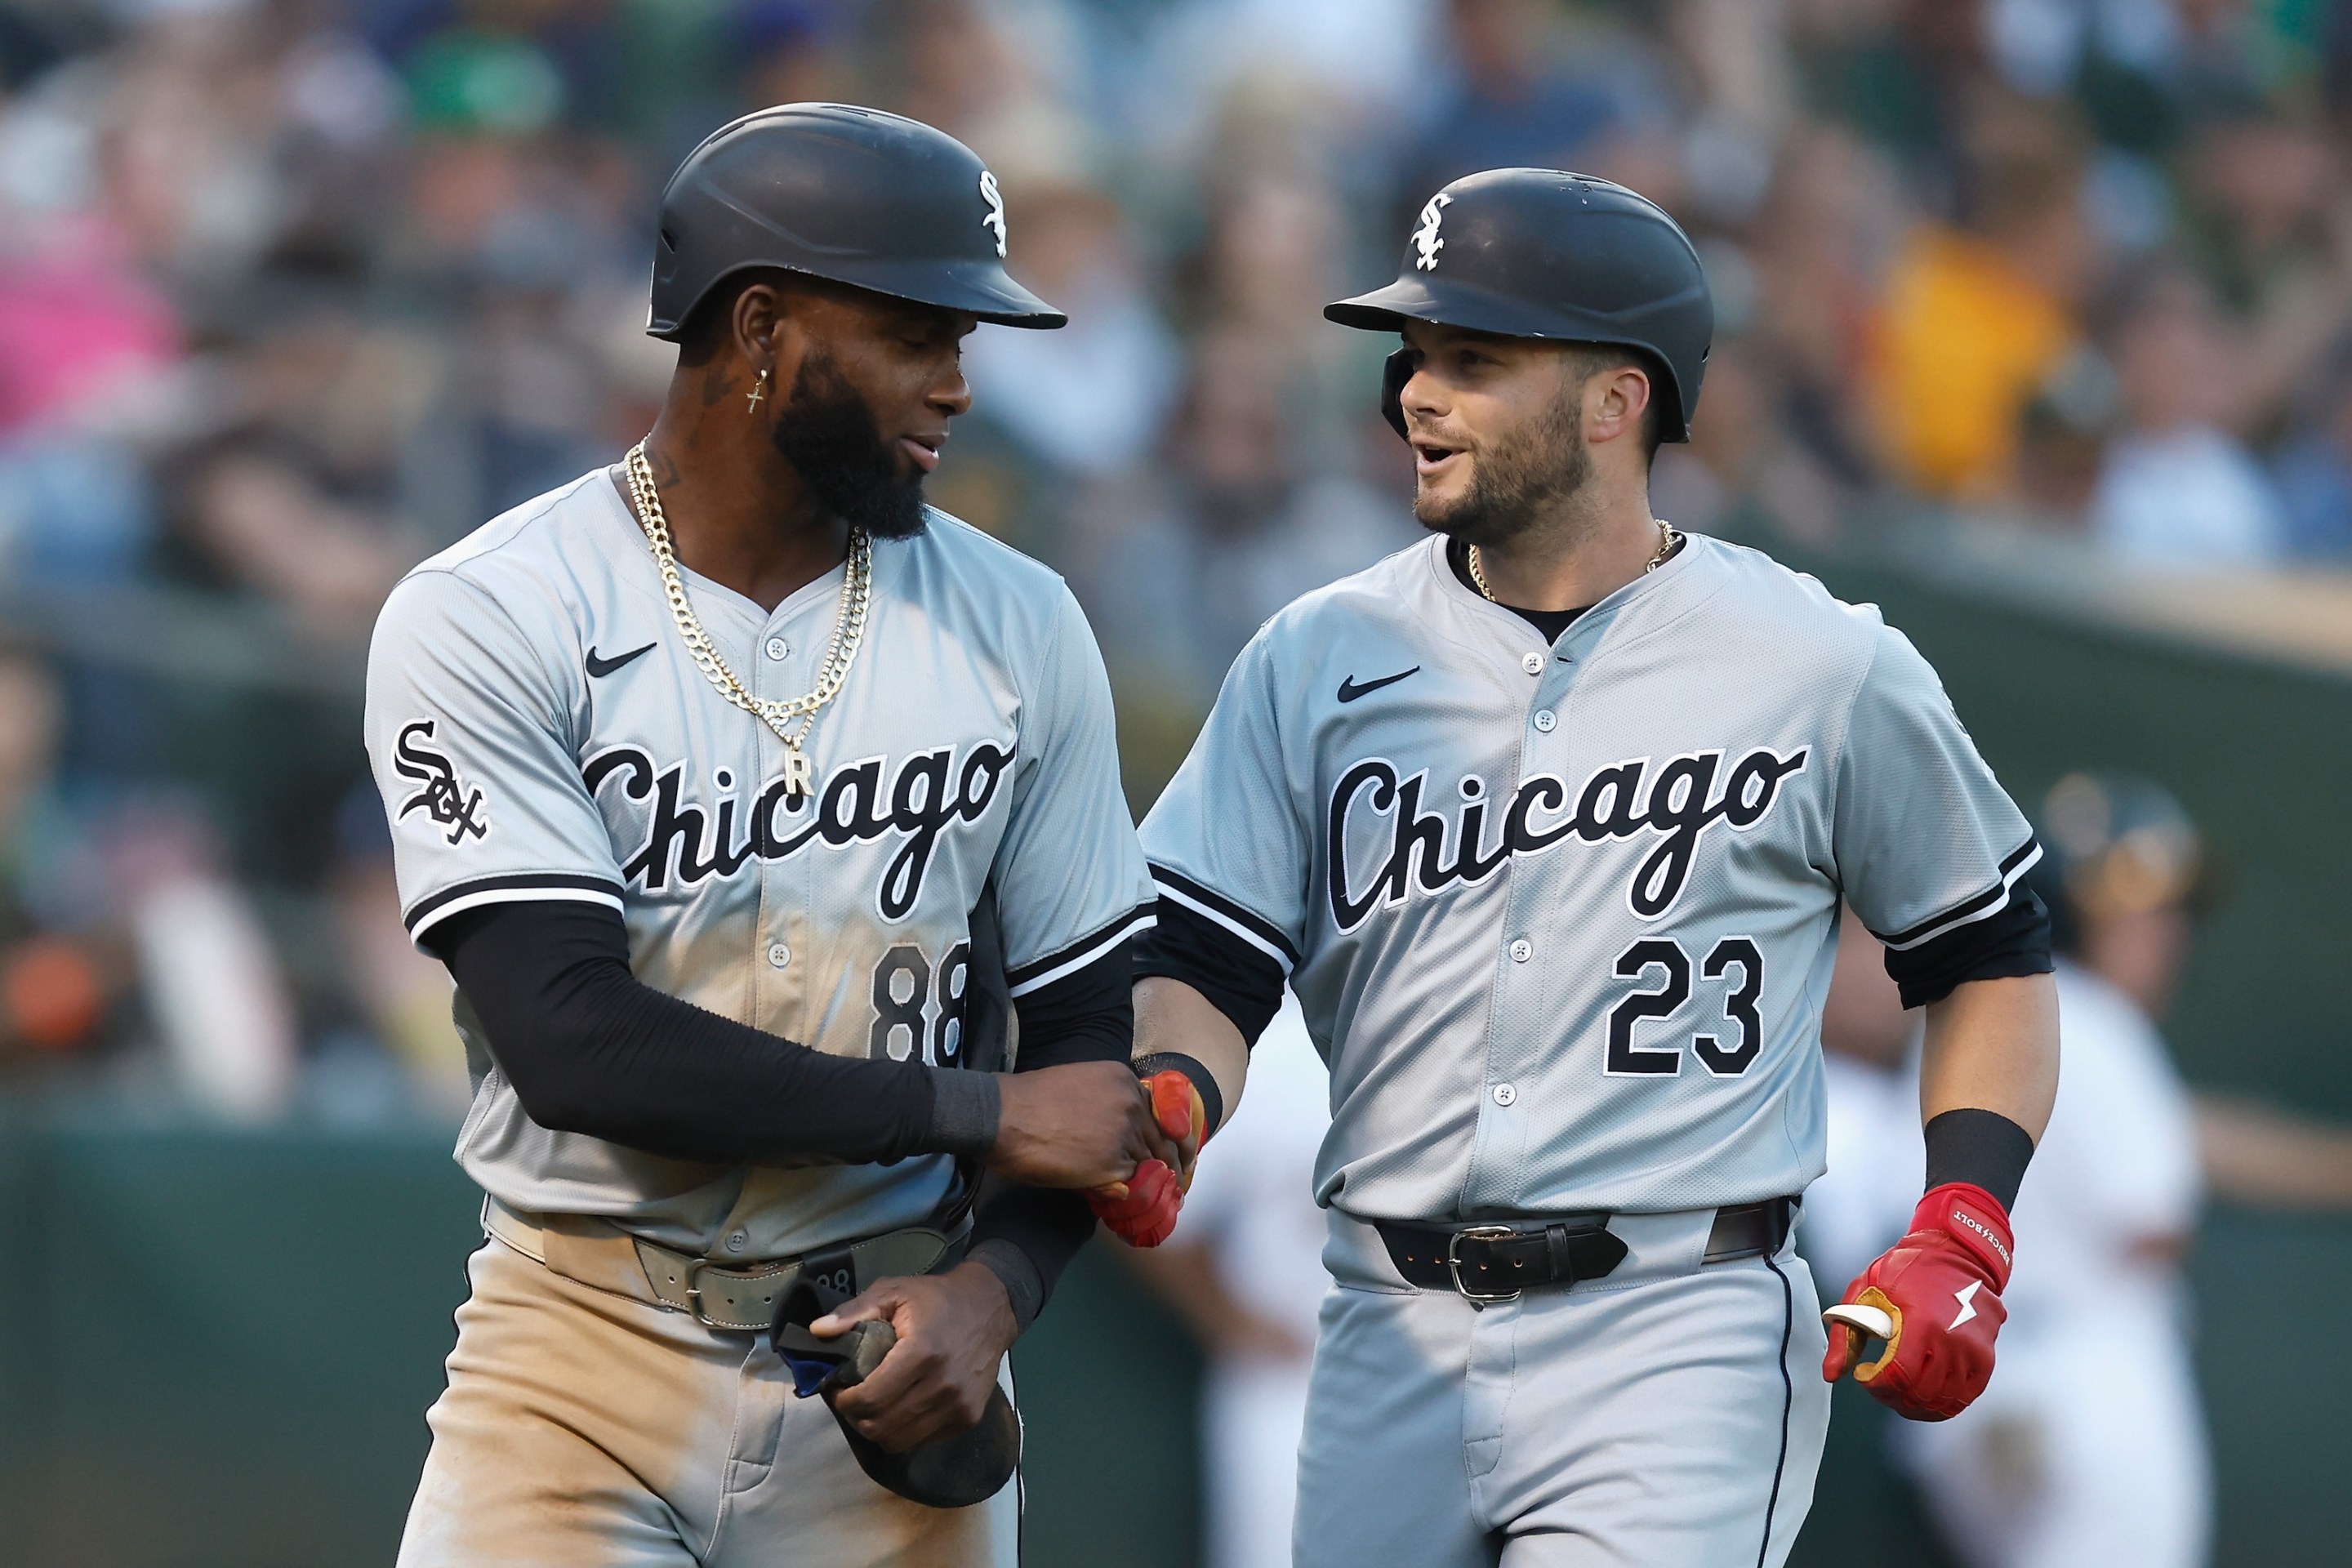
x=759, y=390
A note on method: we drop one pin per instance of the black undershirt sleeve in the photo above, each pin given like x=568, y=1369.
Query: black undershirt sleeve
x=589, y=1048
x=2012, y=942
x=1085, y=1016
x=1026, y=1236
x=1239, y=981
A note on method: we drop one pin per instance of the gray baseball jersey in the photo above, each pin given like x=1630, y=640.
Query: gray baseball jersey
x=1561, y=918
x=539, y=731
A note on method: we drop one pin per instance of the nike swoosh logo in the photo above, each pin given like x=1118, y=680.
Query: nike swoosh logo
x=601, y=667
x=1349, y=690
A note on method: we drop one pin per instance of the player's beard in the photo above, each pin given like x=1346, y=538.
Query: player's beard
x=1516, y=482
x=830, y=437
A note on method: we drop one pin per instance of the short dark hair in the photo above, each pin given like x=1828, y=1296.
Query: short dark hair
x=1595, y=358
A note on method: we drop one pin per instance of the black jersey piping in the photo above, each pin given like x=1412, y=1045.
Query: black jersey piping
x=1788, y=1403
x=1255, y=929
x=1078, y=954
x=509, y=888
x=1989, y=902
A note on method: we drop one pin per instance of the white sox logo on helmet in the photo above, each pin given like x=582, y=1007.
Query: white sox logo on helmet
x=1425, y=243
x=995, y=200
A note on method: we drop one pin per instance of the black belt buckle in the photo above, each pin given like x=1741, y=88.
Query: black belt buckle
x=1454, y=1262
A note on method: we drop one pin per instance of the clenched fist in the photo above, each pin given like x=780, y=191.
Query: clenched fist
x=1086, y=1125
x=1939, y=1289
x=1142, y=1210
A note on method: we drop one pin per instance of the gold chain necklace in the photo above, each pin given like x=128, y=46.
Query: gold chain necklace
x=848, y=629
x=1667, y=538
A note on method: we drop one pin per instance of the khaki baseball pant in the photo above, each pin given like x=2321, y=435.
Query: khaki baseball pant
x=588, y=1429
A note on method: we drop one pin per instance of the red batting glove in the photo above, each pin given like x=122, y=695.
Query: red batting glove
x=1143, y=1211
x=1182, y=1115
x=1941, y=1284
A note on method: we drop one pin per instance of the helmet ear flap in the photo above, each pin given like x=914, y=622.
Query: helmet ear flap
x=1394, y=373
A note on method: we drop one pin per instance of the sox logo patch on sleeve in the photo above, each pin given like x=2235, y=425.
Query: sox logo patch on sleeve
x=444, y=798
x=1564, y=913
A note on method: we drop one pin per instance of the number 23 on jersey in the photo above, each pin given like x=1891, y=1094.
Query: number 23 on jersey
x=1735, y=963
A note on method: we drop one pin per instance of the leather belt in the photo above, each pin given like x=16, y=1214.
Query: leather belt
x=739, y=1297
x=1483, y=1263
x=745, y=1297
x=1750, y=1230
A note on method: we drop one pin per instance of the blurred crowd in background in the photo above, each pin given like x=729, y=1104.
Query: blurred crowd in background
x=295, y=292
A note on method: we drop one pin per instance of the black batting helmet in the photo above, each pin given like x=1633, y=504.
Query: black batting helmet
x=1538, y=253
x=853, y=195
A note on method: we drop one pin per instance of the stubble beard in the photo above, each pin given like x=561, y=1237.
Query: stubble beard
x=830, y=437
x=1516, y=484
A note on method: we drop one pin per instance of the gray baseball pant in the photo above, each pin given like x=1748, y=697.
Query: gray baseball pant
x=1669, y=1416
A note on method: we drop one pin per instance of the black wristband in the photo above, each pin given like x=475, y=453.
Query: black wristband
x=1041, y=1227
x=1024, y=1286
x=965, y=1110
x=1982, y=1147
x=1213, y=1102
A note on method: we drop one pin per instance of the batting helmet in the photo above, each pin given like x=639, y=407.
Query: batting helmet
x=853, y=195
x=1537, y=253
x=2114, y=845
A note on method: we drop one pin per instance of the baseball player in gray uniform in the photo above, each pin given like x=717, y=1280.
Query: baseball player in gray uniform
x=747, y=801
x=1546, y=821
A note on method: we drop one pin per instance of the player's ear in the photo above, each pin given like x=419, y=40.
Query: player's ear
x=761, y=319
x=1616, y=397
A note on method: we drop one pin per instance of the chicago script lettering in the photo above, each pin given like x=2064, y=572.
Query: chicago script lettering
x=1679, y=804
x=685, y=844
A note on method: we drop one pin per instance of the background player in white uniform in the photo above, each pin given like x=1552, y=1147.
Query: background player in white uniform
x=734, y=968
x=1244, y=1268
x=1546, y=822
x=2090, y=1446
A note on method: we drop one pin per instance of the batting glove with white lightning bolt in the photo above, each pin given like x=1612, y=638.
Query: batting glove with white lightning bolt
x=1934, y=1300
x=1143, y=1213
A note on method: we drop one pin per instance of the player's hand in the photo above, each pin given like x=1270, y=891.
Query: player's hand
x=1086, y=1125
x=1938, y=1294
x=1141, y=1210
x=953, y=1330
